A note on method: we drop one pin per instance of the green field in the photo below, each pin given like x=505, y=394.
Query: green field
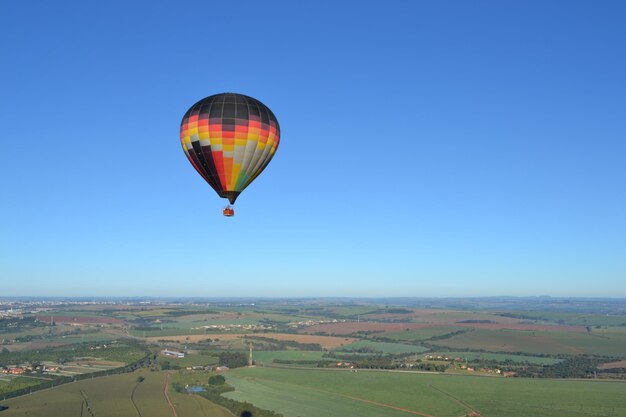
x=81, y=338
x=188, y=322
x=500, y=357
x=442, y=316
x=194, y=359
x=74, y=313
x=574, y=319
x=268, y=356
x=612, y=344
x=167, y=332
x=117, y=352
x=422, y=334
x=384, y=347
x=21, y=332
x=326, y=393
x=112, y=397
x=14, y=383
x=349, y=311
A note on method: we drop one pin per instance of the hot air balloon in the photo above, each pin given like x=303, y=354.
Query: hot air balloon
x=229, y=139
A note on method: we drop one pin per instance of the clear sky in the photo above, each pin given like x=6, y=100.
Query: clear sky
x=429, y=148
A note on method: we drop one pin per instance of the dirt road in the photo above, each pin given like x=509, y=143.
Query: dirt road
x=167, y=397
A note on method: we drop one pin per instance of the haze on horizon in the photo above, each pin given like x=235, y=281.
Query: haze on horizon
x=427, y=149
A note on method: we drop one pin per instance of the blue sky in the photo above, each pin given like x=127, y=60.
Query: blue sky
x=428, y=148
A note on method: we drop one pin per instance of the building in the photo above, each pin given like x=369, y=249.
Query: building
x=173, y=353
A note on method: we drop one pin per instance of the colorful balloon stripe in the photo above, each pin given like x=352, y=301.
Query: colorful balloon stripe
x=229, y=139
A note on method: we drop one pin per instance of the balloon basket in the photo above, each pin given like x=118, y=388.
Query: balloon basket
x=229, y=211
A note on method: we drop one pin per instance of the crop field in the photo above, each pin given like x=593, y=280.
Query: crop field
x=295, y=387
x=422, y=334
x=167, y=332
x=21, y=332
x=114, y=396
x=148, y=312
x=613, y=365
x=539, y=342
x=10, y=383
x=327, y=342
x=324, y=393
x=347, y=328
x=439, y=316
x=193, y=359
x=383, y=347
x=610, y=332
x=81, y=338
x=575, y=318
x=197, y=320
x=268, y=356
x=83, y=366
x=284, y=318
x=36, y=345
x=348, y=311
x=73, y=319
x=252, y=318
x=500, y=357
x=64, y=314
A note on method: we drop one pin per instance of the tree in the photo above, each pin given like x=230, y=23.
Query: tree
x=233, y=359
x=217, y=380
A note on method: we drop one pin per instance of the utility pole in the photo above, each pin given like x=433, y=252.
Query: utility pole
x=250, y=357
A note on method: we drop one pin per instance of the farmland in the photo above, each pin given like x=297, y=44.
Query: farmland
x=339, y=393
x=369, y=360
x=328, y=342
x=383, y=347
x=193, y=359
x=539, y=342
x=11, y=383
x=422, y=334
x=268, y=356
x=499, y=357
x=53, y=366
x=113, y=396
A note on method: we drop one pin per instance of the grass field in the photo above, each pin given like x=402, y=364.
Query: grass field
x=21, y=332
x=582, y=319
x=81, y=338
x=384, y=347
x=268, y=356
x=324, y=393
x=10, y=383
x=167, y=332
x=349, y=311
x=193, y=359
x=327, y=342
x=112, y=397
x=500, y=357
x=439, y=316
x=613, y=344
x=197, y=320
x=75, y=313
x=422, y=334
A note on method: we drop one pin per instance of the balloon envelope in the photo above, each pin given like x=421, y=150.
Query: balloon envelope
x=229, y=139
